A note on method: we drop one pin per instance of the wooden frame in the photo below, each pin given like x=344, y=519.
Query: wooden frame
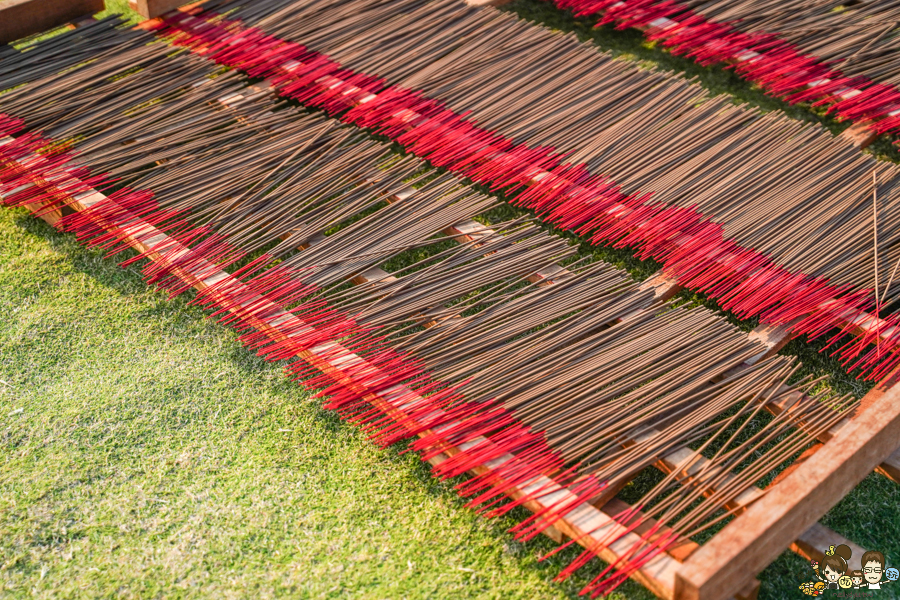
x=751, y=541
x=859, y=323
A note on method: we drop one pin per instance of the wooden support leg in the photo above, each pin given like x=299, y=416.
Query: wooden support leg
x=20, y=18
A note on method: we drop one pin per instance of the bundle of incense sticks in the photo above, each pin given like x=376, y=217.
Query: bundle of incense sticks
x=586, y=379
x=842, y=54
x=770, y=217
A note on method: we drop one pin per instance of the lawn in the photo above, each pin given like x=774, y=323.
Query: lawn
x=146, y=453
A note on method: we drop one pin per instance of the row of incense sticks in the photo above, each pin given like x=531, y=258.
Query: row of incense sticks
x=586, y=379
x=770, y=217
x=837, y=54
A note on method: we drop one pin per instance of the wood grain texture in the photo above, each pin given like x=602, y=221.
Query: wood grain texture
x=861, y=135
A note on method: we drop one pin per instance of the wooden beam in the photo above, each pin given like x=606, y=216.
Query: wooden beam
x=756, y=537
x=20, y=18
x=150, y=9
x=816, y=540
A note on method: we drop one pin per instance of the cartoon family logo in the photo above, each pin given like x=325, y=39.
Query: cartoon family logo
x=835, y=573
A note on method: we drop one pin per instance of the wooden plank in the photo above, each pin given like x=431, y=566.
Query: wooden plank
x=585, y=526
x=756, y=537
x=20, y=18
x=815, y=541
x=773, y=337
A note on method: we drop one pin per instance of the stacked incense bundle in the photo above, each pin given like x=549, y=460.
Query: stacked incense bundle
x=768, y=216
x=585, y=379
x=828, y=52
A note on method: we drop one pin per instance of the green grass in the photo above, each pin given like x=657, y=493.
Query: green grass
x=120, y=7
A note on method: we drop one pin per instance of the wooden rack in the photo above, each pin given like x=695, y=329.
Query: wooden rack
x=724, y=567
